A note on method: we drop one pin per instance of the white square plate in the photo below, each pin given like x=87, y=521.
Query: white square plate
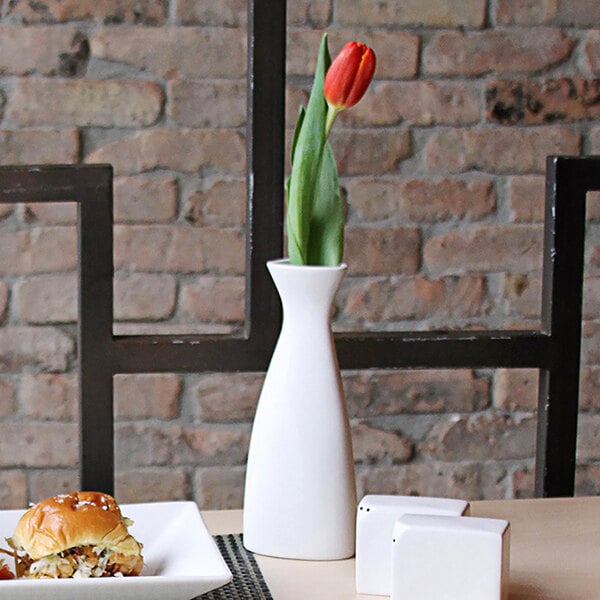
x=181, y=560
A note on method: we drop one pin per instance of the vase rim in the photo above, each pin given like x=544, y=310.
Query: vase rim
x=285, y=262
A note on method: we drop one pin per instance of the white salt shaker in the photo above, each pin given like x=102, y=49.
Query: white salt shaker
x=375, y=520
x=454, y=558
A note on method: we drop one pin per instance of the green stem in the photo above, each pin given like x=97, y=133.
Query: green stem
x=332, y=113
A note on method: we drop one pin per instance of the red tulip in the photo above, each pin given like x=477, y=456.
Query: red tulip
x=349, y=76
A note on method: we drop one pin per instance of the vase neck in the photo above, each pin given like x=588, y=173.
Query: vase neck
x=305, y=289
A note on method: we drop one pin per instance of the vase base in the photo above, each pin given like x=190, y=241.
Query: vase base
x=276, y=552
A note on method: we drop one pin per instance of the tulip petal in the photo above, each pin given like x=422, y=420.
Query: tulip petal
x=341, y=75
x=349, y=76
x=364, y=74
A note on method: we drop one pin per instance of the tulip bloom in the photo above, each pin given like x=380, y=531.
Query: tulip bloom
x=315, y=207
x=348, y=78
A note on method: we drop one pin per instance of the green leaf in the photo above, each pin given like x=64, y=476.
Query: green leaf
x=297, y=129
x=306, y=164
x=326, y=242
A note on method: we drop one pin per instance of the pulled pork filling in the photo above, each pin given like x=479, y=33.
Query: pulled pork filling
x=82, y=561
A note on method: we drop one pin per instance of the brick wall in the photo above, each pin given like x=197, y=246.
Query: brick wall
x=443, y=165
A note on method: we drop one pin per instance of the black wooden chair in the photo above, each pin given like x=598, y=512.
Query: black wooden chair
x=554, y=350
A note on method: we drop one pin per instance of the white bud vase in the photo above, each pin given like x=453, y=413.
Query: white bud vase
x=300, y=495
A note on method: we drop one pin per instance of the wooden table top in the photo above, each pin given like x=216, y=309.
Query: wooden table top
x=555, y=553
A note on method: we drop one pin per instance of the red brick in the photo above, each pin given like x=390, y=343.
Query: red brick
x=50, y=482
x=591, y=297
x=29, y=147
x=153, y=444
x=45, y=348
x=421, y=103
x=226, y=13
x=187, y=150
x=218, y=299
x=397, y=51
x=47, y=298
x=372, y=199
x=593, y=206
x=431, y=202
x=52, y=213
x=527, y=197
x=590, y=51
x=589, y=397
x=35, y=445
x=26, y=251
x=434, y=13
x=144, y=12
x=382, y=251
x=7, y=397
x=523, y=482
x=144, y=296
x=498, y=149
x=147, y=396
x=516, y=389
x=152, y=485
x=172, y=52
x=42, y=50
x=38, y=250
x=372, y=445
x=358, y=389
x=588, y=437
x=6, y=210
x=428, y=391
x=219, y=488
x=4, y=298
x=371, y=151
x=145, y=200
x=399, y=299
x=222, y=204
x=437, y=479
x=595, y=140
x=419, y=200
x=524, y=12
x=587, y=480
x=577, y=13
x=13, y=489
x=518, y=101
x=296, y=95
x=106, y=103
x=567, y=13
x=387, y=300
x=315, y=13
x=51, y=396
x=224, y=250
x=53, y=248
x=485, y=248
x=146, y=248
x=595, y=256
x=523, y=294
x=207, y=103
x=223, y=397
x=495, y=51
x=590, y=343
x=482, y=437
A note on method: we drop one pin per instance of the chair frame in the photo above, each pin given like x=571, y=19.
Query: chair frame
x=554, y=349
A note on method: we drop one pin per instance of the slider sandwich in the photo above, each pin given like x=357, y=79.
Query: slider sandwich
x=81, y=534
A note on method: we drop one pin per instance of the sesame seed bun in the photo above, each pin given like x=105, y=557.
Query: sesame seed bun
x=72, y=520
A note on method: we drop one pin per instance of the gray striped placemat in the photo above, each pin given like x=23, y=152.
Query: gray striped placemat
x=248, y=582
